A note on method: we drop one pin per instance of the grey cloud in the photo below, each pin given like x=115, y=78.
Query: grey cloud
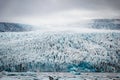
x=41, y=7
x=93, y=4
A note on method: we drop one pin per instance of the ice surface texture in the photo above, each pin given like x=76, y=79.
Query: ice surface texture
x=58, y=76
x=60, y=52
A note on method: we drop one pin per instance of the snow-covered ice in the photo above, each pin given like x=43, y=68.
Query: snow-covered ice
x=60, y=51
x=59, y=76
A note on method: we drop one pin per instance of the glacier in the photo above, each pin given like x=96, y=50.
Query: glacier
x=38, y=51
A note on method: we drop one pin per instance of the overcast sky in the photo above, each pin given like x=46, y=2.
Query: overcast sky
x=57, y=11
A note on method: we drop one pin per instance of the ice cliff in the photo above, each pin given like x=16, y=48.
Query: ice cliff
x=60, y=51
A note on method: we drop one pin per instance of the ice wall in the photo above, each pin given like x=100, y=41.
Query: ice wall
x=60, y=51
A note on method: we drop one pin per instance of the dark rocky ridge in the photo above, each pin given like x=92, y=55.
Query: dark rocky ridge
x=110, y=24
x=107, y=24
x=14, y=27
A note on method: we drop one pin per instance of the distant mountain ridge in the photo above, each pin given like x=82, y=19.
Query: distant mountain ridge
x=111, y=24
x=107, y=24
x=14, y=27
